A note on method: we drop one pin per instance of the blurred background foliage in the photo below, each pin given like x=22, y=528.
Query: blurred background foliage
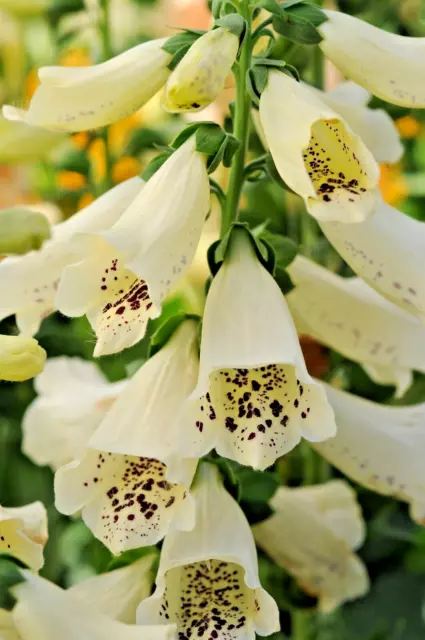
x=39, y=32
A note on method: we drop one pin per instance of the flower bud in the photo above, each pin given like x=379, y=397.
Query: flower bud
x=199, y=78
x=22, y=230
x=21, y=358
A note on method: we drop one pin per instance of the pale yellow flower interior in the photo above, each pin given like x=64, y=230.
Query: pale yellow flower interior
x=333, y=163
x=208, y=600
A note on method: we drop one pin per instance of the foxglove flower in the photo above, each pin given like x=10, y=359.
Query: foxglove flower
x=374, y=126
x=28, y=283
x=81, y=98
x=125, y=272
x=207, y=581
x=313, y=533
x=316, y=152
x=23, y=533
x=386, y=64
x=132, y=499
x=254, y=398
x=22, y=142
x=21, y=358
x=370, y=247
x=200, y=76
x=117, y=593
x=73, y=397
x=379, y=446
x=348, y=316
x=47, y=612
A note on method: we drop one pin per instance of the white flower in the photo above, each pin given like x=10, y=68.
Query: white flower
x=81, y=98
x=200, y=76
x=379, y=446
x=132, y=499
x=388, y=65
x=254, y=399
x=312, y=534
x=387, y=251
x=73, y=397
x=47, y=612
x=316, y=152
x=348, y=316
x=21, y=358
x=23, y=533
x=117, y=593
x=374, y=126
x=207, y=581
x=125, y=272
x=28, y=283
x=22, y=142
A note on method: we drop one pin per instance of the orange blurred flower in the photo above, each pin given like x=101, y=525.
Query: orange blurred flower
x=393, y=186
x=408, y=127
x=70, y=180
x=125, y=168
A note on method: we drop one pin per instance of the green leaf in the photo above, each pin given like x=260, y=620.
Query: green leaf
x=310, y=12
x=209, y=138
x=10, y=573
x=178, y=56
x=154, y=165
x=183, y=39
x=297, y=29
x=283, y=280
x=285, y=249
x=234, y=23
x=142, y=139
x=166, y=330
x=187, y=132
x=272, y=6
x=232, y=145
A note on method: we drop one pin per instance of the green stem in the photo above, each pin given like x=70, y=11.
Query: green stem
x=105, y=31
x=318, y=68
x=309, y=464
x=241, y=130
x=300, y=625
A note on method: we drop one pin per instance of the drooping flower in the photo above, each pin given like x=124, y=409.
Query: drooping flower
x=28, y=283
x=207, y=581
x=73, y=397
x=22, y=142
x=23, y=533
x=130, y=486
x=200, y=76
x=22, y=230
x=125, y=272
x=117, y=593
x=254, y=399
x=386, y=64
x=316, y=153
x=374, y=126
x=378, y=446
x=47, y=612
x=312, y=534
x=370, y=249
x=21, y=358
x=82, y=98
x=348, y=316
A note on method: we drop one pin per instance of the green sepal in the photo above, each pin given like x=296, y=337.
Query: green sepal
x=257, y=75
x=233, y=22
x=212, y=140
x=284, y=248
x=283, y=280
x=182, y=39
x=155, y=164
x=217, y=251
x=299, y=23
x=272, y=6
x=178, y=56
x=164, y=332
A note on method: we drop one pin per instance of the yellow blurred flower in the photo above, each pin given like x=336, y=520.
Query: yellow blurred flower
x=125, y=168
x=75, y=58
x=97, y=156
x=80, y=140
x=119, y=132
x=85, y=200
x=70, y=180
x=408, y=127
x=392, y=184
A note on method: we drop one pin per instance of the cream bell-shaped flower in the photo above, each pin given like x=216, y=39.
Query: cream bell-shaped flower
x=312, y=534
x=22, y=142
x=132, y=500
x=348, y=316
x=117, y=593
x=370, y=249
x=73, y=397
x=47, y=612
x=200, y=76
x=23, y=533
x=207, y=581
x=374, y=126
x=125, y=273
x=21, y=358
x=386, y=64
x=28, y=283
x=379, y=446
x=254, y=398
x=81, y=98
x=316, y=153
